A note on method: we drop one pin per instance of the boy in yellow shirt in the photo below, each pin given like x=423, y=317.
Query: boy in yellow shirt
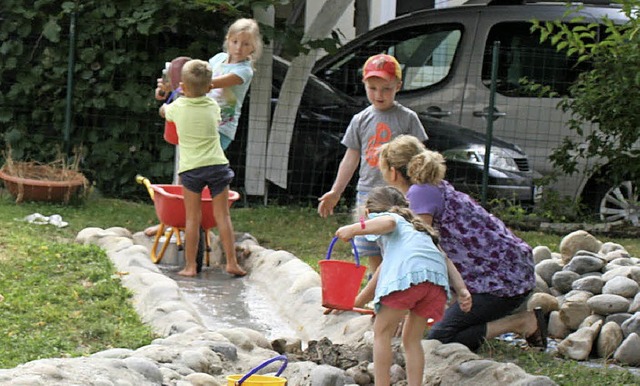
x=202, y=163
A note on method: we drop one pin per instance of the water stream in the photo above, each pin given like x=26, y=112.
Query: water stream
x=226, y=302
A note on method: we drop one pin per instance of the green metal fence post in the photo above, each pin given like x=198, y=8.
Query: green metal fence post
x=70, y=67
x=490, y=116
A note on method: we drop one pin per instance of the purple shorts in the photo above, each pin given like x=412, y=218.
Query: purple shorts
x=425, y=299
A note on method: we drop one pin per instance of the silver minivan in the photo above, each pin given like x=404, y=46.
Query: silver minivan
x=446, y=56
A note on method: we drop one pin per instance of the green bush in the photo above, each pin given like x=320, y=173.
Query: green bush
x=120, y=50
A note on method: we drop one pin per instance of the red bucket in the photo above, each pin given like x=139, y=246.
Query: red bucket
x=170, y=132
x=340, y=280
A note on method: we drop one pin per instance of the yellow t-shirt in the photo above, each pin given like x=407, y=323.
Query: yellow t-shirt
x=197, y=122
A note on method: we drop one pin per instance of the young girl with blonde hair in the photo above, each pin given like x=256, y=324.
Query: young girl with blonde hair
x=412, y=277
x=233, y=72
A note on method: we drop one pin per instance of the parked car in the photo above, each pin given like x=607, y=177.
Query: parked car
x=446, y=55
x=316, y=151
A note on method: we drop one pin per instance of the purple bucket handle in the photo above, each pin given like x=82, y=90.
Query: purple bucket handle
x=263, y=364
x=355, y=250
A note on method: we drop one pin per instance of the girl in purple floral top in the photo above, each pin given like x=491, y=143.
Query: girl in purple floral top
x=496, y=265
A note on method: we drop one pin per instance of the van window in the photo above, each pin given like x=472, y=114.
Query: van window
x=425, y=53
x=523, y=56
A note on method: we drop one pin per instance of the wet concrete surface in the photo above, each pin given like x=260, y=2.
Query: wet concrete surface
x=224, y=301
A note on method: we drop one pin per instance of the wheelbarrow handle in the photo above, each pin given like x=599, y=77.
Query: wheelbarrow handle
x=145, y=181
x=355, y=250
x=263, y=364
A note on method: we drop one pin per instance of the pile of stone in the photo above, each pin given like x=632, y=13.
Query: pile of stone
x=591, y=292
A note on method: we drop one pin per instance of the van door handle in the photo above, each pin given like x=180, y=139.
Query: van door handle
x=485, y=113
x=436, y=112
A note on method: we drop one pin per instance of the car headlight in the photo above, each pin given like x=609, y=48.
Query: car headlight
x=499, y=158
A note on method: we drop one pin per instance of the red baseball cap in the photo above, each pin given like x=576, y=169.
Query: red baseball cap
x=382, y=66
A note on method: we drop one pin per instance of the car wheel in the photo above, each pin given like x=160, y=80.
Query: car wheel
x=620, y=202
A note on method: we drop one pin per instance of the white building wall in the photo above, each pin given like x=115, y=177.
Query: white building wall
x=345, y=24
x=380, y=12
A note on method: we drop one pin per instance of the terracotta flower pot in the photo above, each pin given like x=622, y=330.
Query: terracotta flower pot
x=42, y=183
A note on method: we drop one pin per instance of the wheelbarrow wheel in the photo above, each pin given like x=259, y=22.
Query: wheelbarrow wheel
x=201, y=249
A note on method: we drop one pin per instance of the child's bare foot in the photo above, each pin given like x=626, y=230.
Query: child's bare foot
x=152, y=230
x=236, y=270
x=188, y=272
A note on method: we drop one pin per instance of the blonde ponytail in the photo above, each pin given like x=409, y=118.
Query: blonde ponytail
x=413, y=160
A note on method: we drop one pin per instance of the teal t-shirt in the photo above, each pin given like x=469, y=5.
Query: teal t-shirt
x=230, y=98
x=196, y=122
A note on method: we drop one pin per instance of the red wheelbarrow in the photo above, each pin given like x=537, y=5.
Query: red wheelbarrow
x=169, y=205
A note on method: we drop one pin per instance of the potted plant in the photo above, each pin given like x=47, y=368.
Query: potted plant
x=56, y=182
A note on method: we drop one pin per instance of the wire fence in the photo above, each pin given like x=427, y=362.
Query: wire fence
x=447, y=87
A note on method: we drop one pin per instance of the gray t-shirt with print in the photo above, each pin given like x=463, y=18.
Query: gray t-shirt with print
x=371, y=128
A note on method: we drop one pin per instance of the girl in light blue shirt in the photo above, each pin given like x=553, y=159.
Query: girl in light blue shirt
x=413, y=277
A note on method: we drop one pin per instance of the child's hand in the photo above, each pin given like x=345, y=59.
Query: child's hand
x=162, y=89
x=328, y=311
x=464, y=300
x=345, y=233
x=328, y=201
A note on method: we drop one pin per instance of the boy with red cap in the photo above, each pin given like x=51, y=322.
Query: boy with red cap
x=374, y=126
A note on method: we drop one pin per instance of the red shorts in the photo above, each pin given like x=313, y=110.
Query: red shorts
x=425, y=299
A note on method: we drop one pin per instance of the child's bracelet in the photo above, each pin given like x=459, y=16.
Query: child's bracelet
x=362, y=225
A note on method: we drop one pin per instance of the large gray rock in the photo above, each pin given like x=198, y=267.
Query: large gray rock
x=591, y=284
x=609, y=247
x=454, y=365
x=623, y=262
x=546, y=268
x=578, y=344
x=635, y=304
x=574, y=309
x=622, y=286
x=557, y=329
x=629, y=351
x=630, y=272
x=585, y=262
x=577, y=241
x=617, y=318
x=540, y=253
x=614, y=252
x=608, y=304
x=609, y=339
x=631, y=325
x=543, y=300
x=591, y=320
x=563, y=280
x=541, y=285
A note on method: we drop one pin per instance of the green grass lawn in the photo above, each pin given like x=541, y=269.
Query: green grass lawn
x=58, y=299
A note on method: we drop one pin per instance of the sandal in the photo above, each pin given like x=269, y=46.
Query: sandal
x=539, y=337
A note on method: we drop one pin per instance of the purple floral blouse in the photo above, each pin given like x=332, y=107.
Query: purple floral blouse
x=490, y=258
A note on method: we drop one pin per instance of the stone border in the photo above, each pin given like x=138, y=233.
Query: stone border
x=187, y=353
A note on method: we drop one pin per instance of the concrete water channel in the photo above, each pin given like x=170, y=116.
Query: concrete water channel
x=226, y=302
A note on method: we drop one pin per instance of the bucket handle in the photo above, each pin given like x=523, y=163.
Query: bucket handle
x=355, y=250
x=263, y=364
